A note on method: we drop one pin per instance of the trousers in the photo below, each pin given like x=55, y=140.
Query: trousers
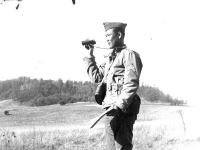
x=119, y=131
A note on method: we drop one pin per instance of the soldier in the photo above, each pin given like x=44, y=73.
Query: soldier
x=121, y=73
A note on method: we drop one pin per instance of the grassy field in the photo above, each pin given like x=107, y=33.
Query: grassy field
x=55, y=127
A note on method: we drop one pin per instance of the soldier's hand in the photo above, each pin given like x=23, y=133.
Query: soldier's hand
x=90, y=51
x=89, y=47
x=117, y=109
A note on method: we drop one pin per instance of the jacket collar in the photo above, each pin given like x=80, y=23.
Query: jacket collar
x=116, y=50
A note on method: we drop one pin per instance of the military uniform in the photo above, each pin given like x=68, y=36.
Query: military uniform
x=122, y=82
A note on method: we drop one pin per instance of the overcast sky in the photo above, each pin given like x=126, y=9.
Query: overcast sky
x=42, y=39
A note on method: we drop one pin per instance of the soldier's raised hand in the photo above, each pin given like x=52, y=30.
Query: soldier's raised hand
x=90, y=51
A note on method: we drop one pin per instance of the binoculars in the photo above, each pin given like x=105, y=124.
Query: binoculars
x=88, y=42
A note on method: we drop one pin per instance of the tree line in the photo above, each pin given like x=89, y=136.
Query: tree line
x=39, y=92
x=154, y=94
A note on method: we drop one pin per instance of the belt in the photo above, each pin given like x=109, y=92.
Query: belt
x=114, y=88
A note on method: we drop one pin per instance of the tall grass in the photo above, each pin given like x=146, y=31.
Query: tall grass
x=80, y=139
x=145, y=138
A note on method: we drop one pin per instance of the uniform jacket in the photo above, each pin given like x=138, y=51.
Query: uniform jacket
x=122, y=80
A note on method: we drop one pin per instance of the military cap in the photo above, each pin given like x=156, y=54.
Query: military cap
x=110, y=25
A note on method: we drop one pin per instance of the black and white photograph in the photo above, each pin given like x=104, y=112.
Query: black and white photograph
x=99, y=75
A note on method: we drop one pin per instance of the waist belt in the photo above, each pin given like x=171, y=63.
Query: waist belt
x=114, y=88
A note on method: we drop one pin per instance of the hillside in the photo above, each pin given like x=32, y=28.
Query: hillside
x=79, y=114
x=158, y=126
x=25, y=116
x=34, y=92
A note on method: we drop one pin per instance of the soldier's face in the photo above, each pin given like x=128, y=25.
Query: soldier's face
x=112, y=38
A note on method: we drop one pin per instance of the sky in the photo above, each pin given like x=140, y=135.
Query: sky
x=42, y=39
